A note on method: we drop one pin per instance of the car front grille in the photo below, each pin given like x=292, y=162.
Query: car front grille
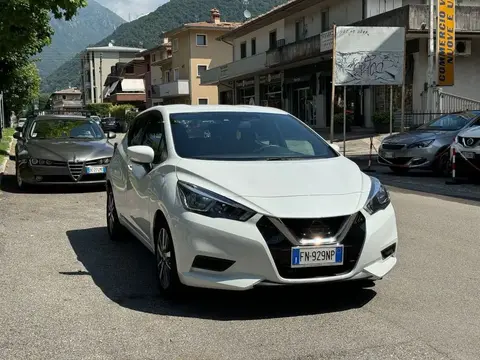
x=392, y=146
x=76, y=169
x=280, y=247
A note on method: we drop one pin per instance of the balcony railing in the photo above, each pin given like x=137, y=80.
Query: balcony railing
x=234, y=69
x=297, y=51
x=174, y=88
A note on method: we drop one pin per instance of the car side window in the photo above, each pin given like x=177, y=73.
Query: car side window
x=136, y=133
x=155, y=137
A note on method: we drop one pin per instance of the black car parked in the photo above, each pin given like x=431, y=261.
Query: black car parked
x=114, y=124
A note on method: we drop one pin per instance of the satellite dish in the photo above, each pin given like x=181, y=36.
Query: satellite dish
x=247, y=14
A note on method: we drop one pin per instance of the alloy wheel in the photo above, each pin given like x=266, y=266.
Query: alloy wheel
x=18, y=178
x=164, y=259
x=111, y=212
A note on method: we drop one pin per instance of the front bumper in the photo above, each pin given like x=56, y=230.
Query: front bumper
x=467, y=162
x=59, y=175
x=419, y=158
x=232, y=255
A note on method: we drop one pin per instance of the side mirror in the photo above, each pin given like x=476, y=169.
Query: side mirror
x=111, y=135
x=335, y=147
x=19, y=128
x=17, y=135
x=141, y=154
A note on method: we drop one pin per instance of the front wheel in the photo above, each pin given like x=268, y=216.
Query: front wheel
x=21, y=185
x=116, y=231
x=443, y=166
x=166, y=266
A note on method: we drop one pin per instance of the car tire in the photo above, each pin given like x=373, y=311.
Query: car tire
x=116, y=231
x=124, y=127
x=21, y=185
x=442, y=166
x=399, y=170
x=168, y=281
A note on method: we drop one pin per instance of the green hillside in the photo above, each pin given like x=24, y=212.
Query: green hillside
x=90, y=25
x=147, y=31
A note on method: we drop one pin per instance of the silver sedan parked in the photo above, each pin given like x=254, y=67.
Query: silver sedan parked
x=426, y=147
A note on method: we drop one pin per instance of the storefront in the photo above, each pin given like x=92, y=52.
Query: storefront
x=245, y=90
x=271, y=90
x=301, y=87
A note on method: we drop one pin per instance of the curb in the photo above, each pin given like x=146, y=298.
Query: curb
x=4, y=164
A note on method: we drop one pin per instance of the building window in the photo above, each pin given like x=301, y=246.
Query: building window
x=299, y=30
x=364, y=9
x=254, y=46
x=201, y=69
x=201, y=40
x=325, y=21
x=175, y=45
x=167, y=76
x=203, y=101
x=148, y=67
x=272, y=39
x=243, y=50
x=175, y=74
x=153, y=57
x=129, y=69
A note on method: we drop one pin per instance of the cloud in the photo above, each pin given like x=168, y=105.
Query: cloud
x=132, y=9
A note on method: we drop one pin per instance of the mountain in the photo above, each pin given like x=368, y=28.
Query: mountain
x=148, y=29
x=91, y=24
x=131, y=9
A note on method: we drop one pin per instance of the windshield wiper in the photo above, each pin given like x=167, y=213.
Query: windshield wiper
x=278, y=158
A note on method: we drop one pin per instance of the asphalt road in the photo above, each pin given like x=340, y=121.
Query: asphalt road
x=66, y=292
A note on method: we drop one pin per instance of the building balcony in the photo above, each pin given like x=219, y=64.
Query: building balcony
x=127, y=98
x=236, y=69
x=415, y=17
x=171, y=89
x=296, y=51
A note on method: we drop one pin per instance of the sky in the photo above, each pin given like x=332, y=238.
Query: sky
x=132, y=9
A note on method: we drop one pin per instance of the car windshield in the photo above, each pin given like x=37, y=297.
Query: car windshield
x=450, y=122
x=245, y=136
x=66, y=129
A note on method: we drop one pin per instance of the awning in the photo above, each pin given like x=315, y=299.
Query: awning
x=133, y=85
x=110, y=89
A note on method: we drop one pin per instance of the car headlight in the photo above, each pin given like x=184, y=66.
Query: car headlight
x=421, y=144
x=205, y=202
x=378, y=198
x=34, y=161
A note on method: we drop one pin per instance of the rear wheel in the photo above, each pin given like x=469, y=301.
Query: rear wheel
x=399, y=170
x=166, y=266
x=116, y=230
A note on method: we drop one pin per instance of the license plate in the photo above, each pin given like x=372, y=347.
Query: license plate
x=389, y=154
x=96, y=169
x=312, y=256
x=469, y=154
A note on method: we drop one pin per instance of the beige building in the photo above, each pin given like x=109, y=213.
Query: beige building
x=176, y=65
x=96, y=64
x=67, y=100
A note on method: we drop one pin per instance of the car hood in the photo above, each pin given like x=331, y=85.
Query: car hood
x=471, y=132
x=414, y=136
x=65, y=150
x=298, y=188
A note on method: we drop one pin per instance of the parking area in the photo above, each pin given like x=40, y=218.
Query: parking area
x=68, y=292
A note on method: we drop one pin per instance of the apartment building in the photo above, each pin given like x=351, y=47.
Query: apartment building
x=283, y=58
x=67, y=100
x=96, y=63
x=125, y=84
x=186, y=52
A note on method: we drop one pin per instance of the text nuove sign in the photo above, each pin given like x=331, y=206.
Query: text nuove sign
x=445, y=42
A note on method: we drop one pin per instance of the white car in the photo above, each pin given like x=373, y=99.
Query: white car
x=233, y=197
x=467, y=146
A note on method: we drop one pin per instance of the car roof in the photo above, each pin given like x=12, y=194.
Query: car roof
x=175, y=109
x=61, y=117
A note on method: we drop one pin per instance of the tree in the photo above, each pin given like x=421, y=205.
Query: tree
x=25, y=25
x=23, y=90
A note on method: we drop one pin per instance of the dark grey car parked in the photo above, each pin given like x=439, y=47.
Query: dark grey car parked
x=426, y=147
x=61, y=149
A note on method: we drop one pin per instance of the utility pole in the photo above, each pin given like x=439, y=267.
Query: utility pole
x=431, y=54
x=101, y=79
